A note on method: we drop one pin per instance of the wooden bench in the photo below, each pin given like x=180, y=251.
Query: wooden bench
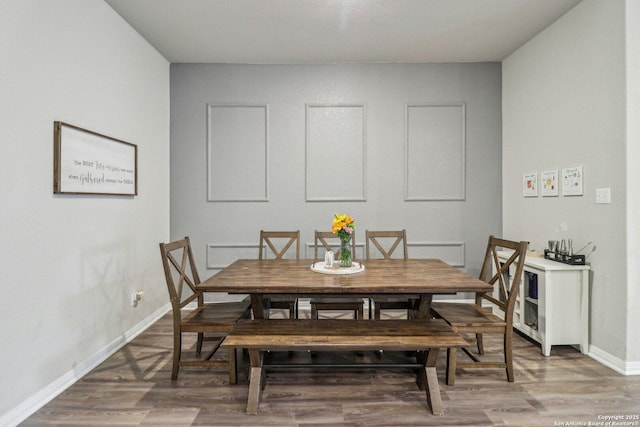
x=426, y=337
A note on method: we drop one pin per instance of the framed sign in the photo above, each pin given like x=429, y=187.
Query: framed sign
x=86, y=162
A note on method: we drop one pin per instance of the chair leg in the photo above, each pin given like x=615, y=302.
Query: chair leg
x=451, y=365
x=359, y=314
x=376, y=311
x=480, y=344
x=233, y=366
x=177, y=348
x=199, y=344
x=508, y=355
x=314, y=311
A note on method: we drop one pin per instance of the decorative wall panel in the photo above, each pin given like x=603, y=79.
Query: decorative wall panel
x=237, y=153
x=450, y=252
x=435, y=152
x=309, y=250
x=220, y=256
x=335, y=153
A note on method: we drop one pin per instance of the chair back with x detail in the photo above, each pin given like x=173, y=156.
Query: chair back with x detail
x=213, y=319
x=321, y=242
x=386, y=242
x=389, y=244
x=505, y=276
x=280, y=245
x=356, y=305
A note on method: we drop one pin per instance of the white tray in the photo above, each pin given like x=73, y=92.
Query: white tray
x=319, y=267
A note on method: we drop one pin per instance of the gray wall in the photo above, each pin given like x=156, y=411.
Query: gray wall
x=565, y=104
x=259, y=147
x=69, y=262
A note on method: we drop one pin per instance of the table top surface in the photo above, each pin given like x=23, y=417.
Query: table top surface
x=396, y=276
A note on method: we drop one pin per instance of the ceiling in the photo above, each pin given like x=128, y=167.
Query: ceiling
x=336, y=31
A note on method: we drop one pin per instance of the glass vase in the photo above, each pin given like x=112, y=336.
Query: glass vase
x=345, y=252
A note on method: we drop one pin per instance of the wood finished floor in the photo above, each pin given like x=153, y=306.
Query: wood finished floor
x=133, y=387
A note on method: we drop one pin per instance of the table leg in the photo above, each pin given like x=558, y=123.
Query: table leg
x=259, y=306
x=424, y=306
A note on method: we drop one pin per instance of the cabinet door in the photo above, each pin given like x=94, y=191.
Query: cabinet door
x=564, y=306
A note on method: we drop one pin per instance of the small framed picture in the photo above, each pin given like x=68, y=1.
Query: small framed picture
x=572, y=181
x=530, y=184
x=549, y=183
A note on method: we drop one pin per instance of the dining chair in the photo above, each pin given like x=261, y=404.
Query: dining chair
x=278, y=244
x=474, y=318
x=211, y=321
x=334, y=304
x=383, y=244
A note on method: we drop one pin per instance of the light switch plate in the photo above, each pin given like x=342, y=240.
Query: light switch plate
x=603, y=195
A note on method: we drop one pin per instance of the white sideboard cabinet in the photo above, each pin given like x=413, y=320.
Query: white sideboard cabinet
x=553, y=303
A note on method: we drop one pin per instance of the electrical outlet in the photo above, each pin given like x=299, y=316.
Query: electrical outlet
x=603, y=195
x=136, y=297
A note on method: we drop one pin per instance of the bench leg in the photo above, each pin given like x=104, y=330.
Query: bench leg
x=451, y=365
x=255, y=381
x=428, y=379
x=433, y=390
x=426, y=358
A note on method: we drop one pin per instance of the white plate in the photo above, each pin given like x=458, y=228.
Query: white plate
x=319, y=267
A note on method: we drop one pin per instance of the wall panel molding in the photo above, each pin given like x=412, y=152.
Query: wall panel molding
x=219, y=256
x=308, y=251
x=453, y=253
x=335, y=152
x=237, y=153
x=435, y=152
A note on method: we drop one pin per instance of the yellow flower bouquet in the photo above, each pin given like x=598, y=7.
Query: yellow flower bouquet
x=344, y=226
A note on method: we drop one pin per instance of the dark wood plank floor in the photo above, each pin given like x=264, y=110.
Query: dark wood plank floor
x=133, y=387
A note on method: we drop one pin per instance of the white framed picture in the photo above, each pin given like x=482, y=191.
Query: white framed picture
x=549, y=183
x=572, y=181
x=530, y=184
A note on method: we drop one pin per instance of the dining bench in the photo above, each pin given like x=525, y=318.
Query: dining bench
x=425, y=337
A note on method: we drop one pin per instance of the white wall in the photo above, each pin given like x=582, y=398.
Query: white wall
x=632, y=26
x=564, y=105
x=456, y=231
x=70, y=263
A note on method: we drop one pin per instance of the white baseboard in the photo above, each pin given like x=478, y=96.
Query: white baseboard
x=45, y=395
x=615, y=363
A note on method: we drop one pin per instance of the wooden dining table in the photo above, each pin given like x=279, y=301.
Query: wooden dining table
x=415, y=278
